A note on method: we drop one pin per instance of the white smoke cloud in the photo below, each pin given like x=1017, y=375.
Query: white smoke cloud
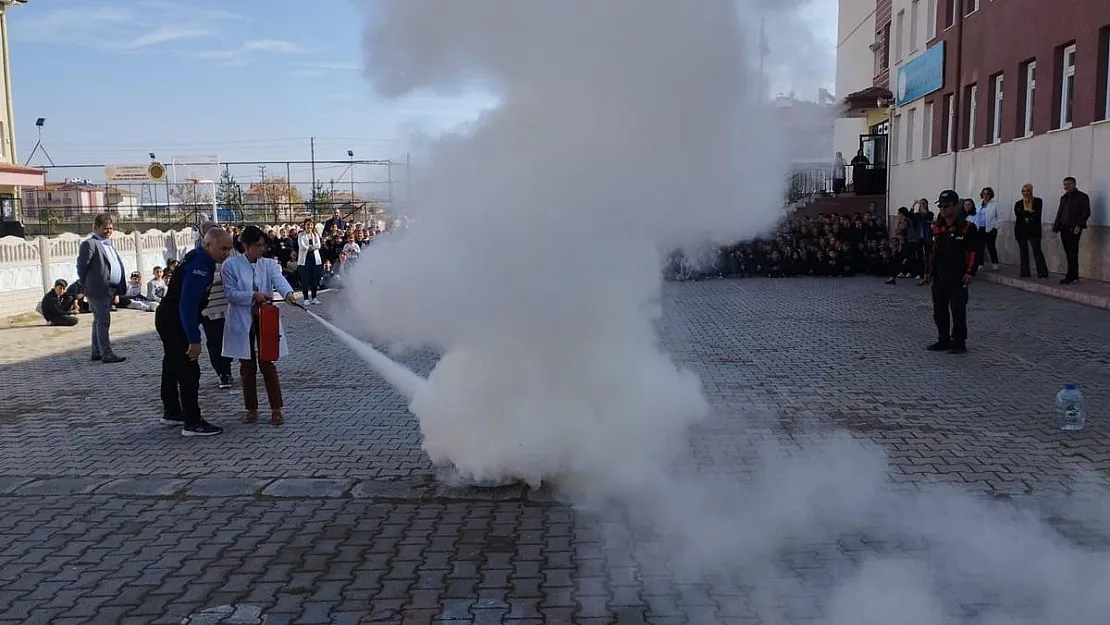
x=627, y=128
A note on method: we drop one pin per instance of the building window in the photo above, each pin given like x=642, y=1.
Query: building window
x=1067, y=85
x=895, y=132
x=971, y=96
x=911, y=133
x=882, y=52
x=1029, y=76
x=972, y=6
x=949, y=122
x=1104, y=75
x=899, y=35
x=927, y=131
x=915, y=17
x=931, y=21
x=950, y=13
x=996, y=108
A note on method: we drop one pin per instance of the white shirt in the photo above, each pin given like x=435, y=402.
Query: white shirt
x=990, y=214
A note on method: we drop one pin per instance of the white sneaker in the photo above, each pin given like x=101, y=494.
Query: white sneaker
x=994, y=266
x=317, y=302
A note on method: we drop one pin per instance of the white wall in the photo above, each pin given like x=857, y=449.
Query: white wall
x=29, y=267
x=846, y=134
x=855, y=62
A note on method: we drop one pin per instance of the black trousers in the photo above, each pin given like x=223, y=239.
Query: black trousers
x=214, y=341
x=991, y=243
x=950, y=311
x=1038, y=257
x=1071, y=251
x=64, y=320
x=180, y=376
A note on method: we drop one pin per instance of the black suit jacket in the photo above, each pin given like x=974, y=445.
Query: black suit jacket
x=1028, y=225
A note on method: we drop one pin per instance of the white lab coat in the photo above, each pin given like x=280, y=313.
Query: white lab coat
x=991, y=218
x=241, y=279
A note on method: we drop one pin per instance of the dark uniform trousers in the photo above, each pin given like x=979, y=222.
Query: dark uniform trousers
x=180, y=375
x=950, y=311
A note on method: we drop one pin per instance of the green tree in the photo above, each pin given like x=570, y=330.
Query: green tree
x=229, y=195
x=320, y=204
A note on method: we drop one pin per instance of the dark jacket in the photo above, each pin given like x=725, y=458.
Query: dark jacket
x=1074, y=211
x=94, y=267
x=953, y=254
x=54, y=306
x=187, y=293
x=1028, y=225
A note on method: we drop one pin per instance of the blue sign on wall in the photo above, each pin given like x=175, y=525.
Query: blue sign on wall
x=921, y=76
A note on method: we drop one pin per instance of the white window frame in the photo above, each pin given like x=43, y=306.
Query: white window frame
x=911, y=133
x=1106, y=104
x=895, y=132
x=927, y=130
x=931, y=20
x=899, y=35
x=972, y=111
x=1067, y=74
x=953, y=11
x=915, y=20
x=974, y=4
x=950, y=136
x=1030, y=97
x=996, y=119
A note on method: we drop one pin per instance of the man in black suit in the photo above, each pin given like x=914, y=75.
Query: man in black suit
x=1071, y=221
x=101, y=271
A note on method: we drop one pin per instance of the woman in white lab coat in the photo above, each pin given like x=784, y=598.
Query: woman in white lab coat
x=250, y=281
x=310, y=265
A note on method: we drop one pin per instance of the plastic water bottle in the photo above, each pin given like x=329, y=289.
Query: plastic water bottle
x=1069, y=406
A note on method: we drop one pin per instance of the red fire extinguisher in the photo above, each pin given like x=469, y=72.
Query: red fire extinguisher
x=269, y=333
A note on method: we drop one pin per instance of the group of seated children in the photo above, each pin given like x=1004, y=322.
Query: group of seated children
x=61, y=304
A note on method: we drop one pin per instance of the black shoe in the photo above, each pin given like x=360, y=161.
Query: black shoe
x=94, y=358
x=172, y=419
x=1067, y=281
x=958, y=349
x=939, y=346
x=203, y=428
x=112, y=358
x=225, y=381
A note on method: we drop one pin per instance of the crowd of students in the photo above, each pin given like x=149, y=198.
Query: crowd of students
x=824, y=245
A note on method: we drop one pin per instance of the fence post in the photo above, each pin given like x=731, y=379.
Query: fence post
x=138, y=236
x=44, y=262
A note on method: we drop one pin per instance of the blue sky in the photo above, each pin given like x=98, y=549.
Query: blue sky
x=244, y=79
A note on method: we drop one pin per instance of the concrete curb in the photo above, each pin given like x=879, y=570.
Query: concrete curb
x=1095, y=300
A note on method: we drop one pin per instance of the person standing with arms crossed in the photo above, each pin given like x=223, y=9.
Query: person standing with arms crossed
x=951, y=269
x=178, y=323
x=1071, y=221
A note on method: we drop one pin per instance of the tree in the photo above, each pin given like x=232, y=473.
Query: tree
x=320, y=204
x=193, y=196
x=276, y=195
x=229, y=194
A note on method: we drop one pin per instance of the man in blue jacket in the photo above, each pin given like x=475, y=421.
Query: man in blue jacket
x=178, y=323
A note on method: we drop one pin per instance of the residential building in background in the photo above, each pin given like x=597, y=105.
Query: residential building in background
x=13, y=176
x=65, y=199
x=862, y=84
x=997, y=93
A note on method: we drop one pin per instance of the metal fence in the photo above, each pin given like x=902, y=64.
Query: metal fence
x=268, y=192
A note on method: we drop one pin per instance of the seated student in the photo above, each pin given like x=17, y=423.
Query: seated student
x=77, y=292
x=156, y=288
x=820, y=265
x=794, y=265
x=774, y=265
x=134, y=298
x=57, y=307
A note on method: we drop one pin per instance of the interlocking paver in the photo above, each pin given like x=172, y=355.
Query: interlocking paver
x=335, y=517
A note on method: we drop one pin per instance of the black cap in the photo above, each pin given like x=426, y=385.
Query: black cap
x=61, y=282
x=948, y=197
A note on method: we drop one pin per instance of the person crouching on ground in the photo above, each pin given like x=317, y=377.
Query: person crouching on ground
x=249, y=282
x=58, y=307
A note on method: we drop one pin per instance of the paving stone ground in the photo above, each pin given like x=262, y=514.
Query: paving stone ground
x=335, y=517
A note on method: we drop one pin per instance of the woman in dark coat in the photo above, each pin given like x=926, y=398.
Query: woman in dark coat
x=1027, y=230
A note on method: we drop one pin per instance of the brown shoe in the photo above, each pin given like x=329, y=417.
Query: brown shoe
x=276, y=417
x=251, y=416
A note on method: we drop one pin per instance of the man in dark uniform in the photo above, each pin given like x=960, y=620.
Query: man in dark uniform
x=178, y=323
x=951, y=269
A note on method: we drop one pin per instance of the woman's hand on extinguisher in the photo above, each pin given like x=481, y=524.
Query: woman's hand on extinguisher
x=259, y=298
x=291, y=298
